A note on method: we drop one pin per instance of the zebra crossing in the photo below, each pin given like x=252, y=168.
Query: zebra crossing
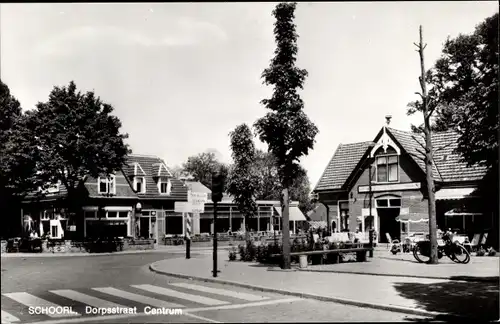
x=175, y=295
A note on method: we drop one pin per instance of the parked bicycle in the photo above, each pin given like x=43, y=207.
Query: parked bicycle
x=453, y=250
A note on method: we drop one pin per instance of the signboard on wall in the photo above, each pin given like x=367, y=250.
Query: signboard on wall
x=390, y=187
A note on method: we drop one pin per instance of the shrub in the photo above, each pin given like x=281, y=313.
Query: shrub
x=480, y=252
x=491, y=252
x=250, y=251
x=232, y=254
x=242, y=251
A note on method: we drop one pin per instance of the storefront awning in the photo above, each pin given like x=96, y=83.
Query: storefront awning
x=413, y=218
x=454, y=193
x=295, y=214
x=460, y=212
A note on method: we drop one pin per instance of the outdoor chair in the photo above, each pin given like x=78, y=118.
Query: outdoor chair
x=391, y=242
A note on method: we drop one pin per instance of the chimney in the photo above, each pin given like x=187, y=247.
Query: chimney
x=388, y=119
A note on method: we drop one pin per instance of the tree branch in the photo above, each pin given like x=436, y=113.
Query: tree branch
x=421, y=152
x=416, y=140
x=417, y=156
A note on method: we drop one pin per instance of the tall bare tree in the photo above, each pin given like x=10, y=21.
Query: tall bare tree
x=426, y=105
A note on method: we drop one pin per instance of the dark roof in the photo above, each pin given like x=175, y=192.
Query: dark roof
x=412, y=143
x=150, y=165
x=447, y=167
x=341, y=165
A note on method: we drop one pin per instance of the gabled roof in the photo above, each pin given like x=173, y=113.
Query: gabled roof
x=341, y=165
x=151, y=166
x=160, y=170
x=447, y=166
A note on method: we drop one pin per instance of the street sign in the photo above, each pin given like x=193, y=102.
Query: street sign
x=197, y=201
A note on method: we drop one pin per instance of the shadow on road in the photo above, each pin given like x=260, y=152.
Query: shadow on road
x=474, y=300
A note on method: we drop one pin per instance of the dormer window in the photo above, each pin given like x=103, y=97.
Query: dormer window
x=106, y=185
x=165, y=186
x=140, y=184
x=387, y=168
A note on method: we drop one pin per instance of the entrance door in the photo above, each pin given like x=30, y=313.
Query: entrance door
x=144, y=227
x=389, y=224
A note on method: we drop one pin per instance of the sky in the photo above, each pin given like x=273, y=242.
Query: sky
x=181, y=76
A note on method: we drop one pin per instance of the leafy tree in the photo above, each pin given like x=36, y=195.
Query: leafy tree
x=465, y=79
x=17, y=157
x=242, y=181
x=77, y=136
x=202, y=166
x=465, y=82
x=286, y=128
x=270, y=186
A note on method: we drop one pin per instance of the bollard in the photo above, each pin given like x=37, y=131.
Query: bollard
x=188, y=236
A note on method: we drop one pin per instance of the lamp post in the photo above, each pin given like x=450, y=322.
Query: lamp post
x=370, y=206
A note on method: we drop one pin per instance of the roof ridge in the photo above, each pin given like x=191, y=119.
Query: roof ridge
x=145, y=155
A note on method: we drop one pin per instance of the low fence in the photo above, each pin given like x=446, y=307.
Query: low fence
x=74, y=246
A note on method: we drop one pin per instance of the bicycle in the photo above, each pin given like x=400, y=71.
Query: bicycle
x=453, y=250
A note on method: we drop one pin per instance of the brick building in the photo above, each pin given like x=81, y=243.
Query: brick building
x=127, y=203
x=398, y=187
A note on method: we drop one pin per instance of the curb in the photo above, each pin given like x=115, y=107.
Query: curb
x=467, y=279
x=62, y=254
x=344, y=301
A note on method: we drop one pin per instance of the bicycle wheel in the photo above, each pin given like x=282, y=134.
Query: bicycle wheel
x=460, y=254
x=419, y=256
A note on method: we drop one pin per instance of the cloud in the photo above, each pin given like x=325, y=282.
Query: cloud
x=185, y=32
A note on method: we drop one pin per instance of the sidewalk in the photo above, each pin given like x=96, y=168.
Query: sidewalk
x=484, y=269
x=429, y=297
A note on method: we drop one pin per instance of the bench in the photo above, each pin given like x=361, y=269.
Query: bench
x=360, y=254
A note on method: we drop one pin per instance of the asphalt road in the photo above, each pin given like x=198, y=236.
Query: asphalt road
x=106, y=280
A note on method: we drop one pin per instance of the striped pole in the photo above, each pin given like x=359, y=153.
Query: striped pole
x=188, y=236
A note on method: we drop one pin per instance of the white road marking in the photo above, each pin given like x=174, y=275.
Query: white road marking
x=8, y=318
x=86, y=299
x=181, y=295
x=98, y=319
x=217, y=291
x=138, y=298
x=33, y=301
x=238, y=306
x=202, y=318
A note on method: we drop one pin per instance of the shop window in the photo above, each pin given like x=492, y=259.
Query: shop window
x=123, y=214
x=89, y=214
x=112, y=214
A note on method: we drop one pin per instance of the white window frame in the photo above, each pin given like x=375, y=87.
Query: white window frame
x=169, y=187
x=387, y=168
x=143, y=189
x=110, y=180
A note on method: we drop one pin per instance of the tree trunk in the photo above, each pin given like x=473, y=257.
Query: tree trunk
x=431, y=196
x=286, y=230
x=426, y=110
